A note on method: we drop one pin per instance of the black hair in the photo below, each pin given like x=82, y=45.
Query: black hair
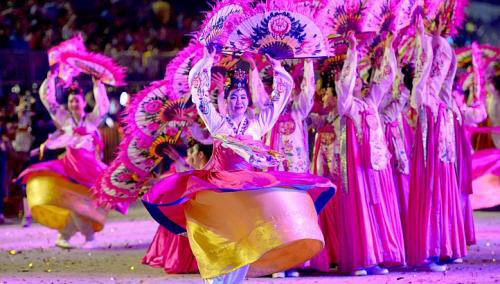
x=76, y=91
x=496, y=82
x=408, y=73
x=205, y=149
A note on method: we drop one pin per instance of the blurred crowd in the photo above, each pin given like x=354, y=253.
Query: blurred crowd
x=107, y=25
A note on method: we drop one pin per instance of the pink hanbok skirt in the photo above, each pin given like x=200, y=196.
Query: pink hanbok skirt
x=170, y=252
x=486, y=178
x=367, y=219
x=436, y=226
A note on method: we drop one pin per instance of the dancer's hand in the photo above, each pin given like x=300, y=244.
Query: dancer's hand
x=420, y=25
x=218, y=80
x=274, y=62
x=351, y=38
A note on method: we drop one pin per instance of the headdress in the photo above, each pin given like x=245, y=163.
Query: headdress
x=235, y=79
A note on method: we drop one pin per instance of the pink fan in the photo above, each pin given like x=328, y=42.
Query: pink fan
x=464, y=54
x=451, y=14
x=283, y=29
x=177, y=71
x=117, y=185
x=96, y=65
x=475, y=77
x=66, y=72
x=152, y=111
x=352, y=15
x=219, y=22
x=74, y=44
x=404, y=16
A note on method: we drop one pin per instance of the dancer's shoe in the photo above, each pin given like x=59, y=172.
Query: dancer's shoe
x=435, y=267
x=62, y=243
x=279, y=274
x=360, y=272
x=292, y=273
x=377, y=270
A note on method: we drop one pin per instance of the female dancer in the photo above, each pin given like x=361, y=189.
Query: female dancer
x=58, y=191
x=167, y=250
x=397, y=140
x=436, y=226
x=368, y=222
x=259, y=222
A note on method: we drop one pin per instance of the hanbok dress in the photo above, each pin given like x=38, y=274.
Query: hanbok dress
x=238, y=219
x=58, y=191
x=398, y=142
x=436, y=219
x=289, y=137
x=486, y=162
x=367, y=218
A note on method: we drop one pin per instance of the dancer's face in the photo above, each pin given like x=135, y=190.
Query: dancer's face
x=237, y=102
x=329, y=100
x=76, y=104
x=195, y=157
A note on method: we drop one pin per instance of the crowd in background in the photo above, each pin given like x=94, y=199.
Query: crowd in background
x=108, y=25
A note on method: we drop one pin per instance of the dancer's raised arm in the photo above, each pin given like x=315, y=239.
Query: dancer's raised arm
x=346, y=82
x=199, y=82
x=282, y=89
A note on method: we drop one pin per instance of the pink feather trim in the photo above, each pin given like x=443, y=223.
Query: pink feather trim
x=73, y=44
x=187, y=56
x=98, y=65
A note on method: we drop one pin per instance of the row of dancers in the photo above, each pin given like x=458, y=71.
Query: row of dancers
x=402, y=192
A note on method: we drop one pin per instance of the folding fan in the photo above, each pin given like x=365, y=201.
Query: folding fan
x=282, y=29
x=74, y=44
x=177, y=71
x=253, y=151
x=451, y=13
x=96, y=65
x=352, y=15
x=219, y=22
x=464, y=55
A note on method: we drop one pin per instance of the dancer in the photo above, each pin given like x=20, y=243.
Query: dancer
x=167, y=250
x=397, y=139
x=326, y=159
x=58, y=191
x=436, y=226
x=366, y=210
x=259, y=222
x=290, y=137
x=486, y=162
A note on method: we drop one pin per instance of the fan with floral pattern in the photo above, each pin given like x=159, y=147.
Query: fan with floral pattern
x=282, y=29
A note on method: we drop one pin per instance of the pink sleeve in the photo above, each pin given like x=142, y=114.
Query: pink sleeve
x=101, y=107
x=346, y=82
x=282, y=89
x=199, y=82
x=260, y=97
x=383, y=77
x=474, y=114
x=447, y=87
x=305, y=100
x=48, y=97
x=423, y=64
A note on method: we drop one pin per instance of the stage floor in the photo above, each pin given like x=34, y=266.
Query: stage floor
x=27, y=255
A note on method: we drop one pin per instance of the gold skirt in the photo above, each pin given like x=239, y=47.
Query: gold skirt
x=52, y=198
x=270, y=229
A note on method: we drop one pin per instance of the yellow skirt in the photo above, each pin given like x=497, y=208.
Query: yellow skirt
x=52, y=198
x=270, y=229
